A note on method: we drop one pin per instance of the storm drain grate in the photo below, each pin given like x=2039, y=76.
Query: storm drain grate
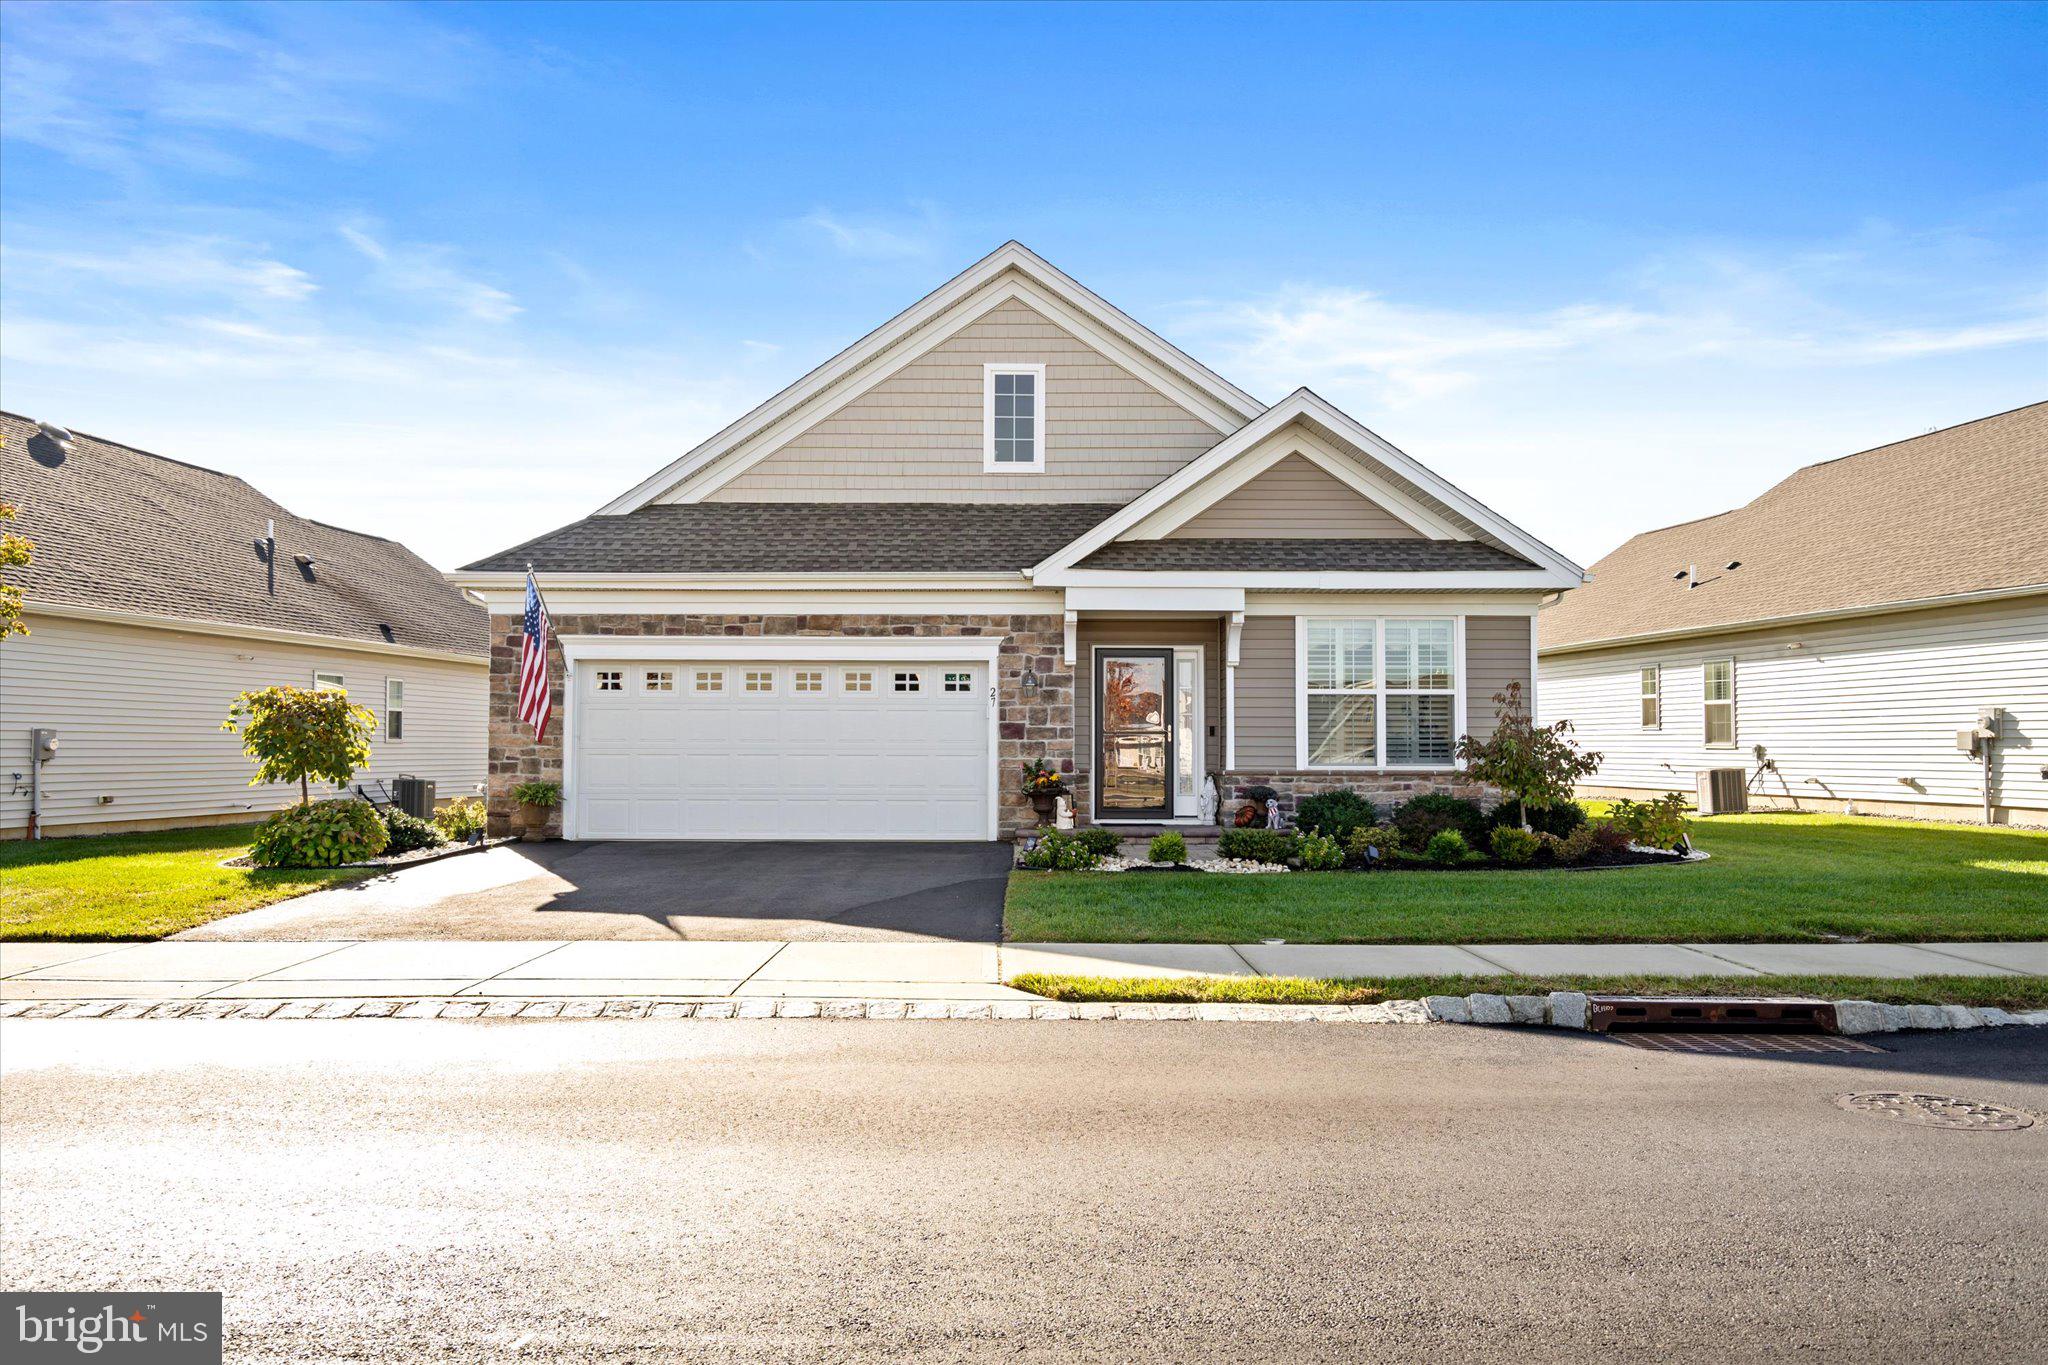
x=1741, y=1042
x=1936, y=1111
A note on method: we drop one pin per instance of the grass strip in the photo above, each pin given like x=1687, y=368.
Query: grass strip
x=121, y=887
x=2005, y=992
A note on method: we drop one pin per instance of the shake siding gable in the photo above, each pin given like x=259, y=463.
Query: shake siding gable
x=138, y=713
x=917, y=435
x=1861, y=710
x=1295, y=500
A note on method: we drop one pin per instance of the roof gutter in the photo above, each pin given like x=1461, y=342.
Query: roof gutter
x=237, y=630
x=1798, y=619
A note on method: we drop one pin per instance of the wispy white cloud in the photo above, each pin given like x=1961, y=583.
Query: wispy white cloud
x=135, y=89
x=1688, y=383
x=429, y=271
x=168, y=265
x=876, y=236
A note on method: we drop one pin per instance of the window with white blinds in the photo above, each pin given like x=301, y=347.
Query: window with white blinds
x=1379, y=692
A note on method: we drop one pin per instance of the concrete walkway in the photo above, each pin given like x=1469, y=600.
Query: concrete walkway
x=704, y=970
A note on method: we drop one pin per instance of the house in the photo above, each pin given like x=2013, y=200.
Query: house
x=1011, y=523
x=1833, y=638
x=159, y=591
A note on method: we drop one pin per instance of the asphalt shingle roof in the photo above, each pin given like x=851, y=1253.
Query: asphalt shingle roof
x=1960, y=510
x=1304, y=556
x=807, y=537
x=119, y=529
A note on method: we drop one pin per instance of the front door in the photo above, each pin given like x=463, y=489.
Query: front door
x=1134, y=734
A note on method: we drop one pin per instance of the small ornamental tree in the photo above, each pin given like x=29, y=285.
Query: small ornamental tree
x=1537, y=765
x=16, y=551
x=295, y=736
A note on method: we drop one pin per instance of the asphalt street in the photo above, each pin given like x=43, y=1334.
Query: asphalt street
x=803, y=1190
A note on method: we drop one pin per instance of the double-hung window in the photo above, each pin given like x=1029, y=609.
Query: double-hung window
x=1013, y=419
x=1718, y=685
x=394, y=708
x=1653, y=698
x=1378, y=693
x=329, y=682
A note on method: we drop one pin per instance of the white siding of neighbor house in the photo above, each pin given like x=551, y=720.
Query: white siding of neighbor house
x=917, y=435
x=1862, y=710
x=138, y=712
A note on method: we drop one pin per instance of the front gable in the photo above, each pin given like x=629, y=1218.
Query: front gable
x=1131, y=365
x=917, y=434
x=1295, y=499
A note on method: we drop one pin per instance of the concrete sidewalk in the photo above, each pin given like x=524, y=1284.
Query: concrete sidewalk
x=702, y=970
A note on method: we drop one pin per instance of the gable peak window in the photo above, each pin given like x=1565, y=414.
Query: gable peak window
x=1013, y=418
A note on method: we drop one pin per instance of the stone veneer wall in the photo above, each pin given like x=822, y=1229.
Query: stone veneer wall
x=1037, y=724
x=1384, y=790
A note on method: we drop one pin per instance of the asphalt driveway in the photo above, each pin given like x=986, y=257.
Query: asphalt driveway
x=807, y=892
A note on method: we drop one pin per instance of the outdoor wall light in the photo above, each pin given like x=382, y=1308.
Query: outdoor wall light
x=1029, y=682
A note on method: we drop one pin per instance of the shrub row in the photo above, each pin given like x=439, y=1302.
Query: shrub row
x=342, y=830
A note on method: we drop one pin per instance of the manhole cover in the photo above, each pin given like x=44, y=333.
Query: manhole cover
x=1936, y=1111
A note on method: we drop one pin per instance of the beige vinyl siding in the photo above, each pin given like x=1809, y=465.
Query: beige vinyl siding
x=1861, y=710
x=1265, y=694
x=1149, y=633
x=138, y=713
x=1295, y=500
x=917, y=435
x=1496, y=654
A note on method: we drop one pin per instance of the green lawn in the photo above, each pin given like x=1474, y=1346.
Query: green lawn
x=2014, y=993
x=1782, y=877
x=138, y=886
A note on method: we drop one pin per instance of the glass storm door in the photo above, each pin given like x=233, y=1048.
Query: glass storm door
x=1134, y=688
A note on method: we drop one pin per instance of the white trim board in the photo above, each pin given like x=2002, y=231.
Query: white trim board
x=903, y=337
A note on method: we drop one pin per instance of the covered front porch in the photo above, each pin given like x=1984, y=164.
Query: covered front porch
x=1177, y=687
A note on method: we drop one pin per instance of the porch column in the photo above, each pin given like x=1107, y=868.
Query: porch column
x=1233, y=639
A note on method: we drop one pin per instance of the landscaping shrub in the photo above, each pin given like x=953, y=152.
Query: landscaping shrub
x=1534, y=765
x=460, y=819
x=1422, y=818
x=1061, y=851
x=323, y=834
x=1447, y=848
x=408, y=833
x=1595, y=838
x=1335, y=814
x=1168, y=848
x=1319, y=852
x=1658, y=823
x=1556, y=820
x=1514, y=846
x=1385, y=838
x=1103, y=843
x=1257, y=845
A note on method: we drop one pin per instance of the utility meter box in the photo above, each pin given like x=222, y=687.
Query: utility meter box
x=44, y=743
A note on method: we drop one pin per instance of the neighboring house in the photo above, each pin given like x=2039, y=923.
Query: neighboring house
x=1832, y=637
x=1011, y=523
x=158, y=593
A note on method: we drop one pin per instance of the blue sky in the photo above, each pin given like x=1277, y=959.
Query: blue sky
x=459, y=273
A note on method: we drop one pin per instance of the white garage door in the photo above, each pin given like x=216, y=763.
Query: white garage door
x=829, y=750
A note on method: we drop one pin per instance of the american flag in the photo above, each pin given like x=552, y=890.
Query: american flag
x=535, y=700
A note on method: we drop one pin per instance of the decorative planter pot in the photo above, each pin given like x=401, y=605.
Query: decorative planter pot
x=1045, y=803
x=533, y=823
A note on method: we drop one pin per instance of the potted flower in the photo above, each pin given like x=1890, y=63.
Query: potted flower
x=1044, y=785
x=535, y=798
